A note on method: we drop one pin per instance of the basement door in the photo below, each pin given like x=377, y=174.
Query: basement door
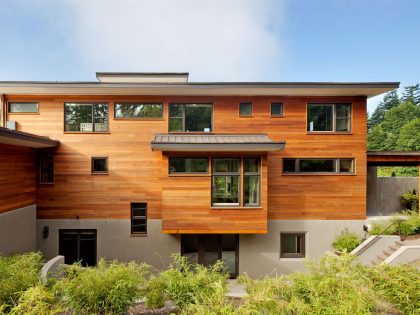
x=78, y=245
x=206, y=249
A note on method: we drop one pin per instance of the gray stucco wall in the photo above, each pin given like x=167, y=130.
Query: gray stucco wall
x=384, y=193
x=18, y=230
x=114, y=240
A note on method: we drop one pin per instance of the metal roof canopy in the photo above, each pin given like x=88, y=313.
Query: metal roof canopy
x=24, y=139
x=393, y=158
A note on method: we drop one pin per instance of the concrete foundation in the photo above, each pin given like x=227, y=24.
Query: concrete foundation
x=17, y=230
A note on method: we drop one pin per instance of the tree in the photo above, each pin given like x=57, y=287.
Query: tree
x=409, y=139
x=389, y=101
x=376, y=138
x=412, y=94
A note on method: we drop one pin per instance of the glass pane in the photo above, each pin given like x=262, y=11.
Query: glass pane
x=276, y=109
x=23, y=107
x=47, y=169
x=346, y=166
x=225, y=190
x=78, y=117
x=317, y=165
x=101, y=117
x=226, y=165
x=176, y=110
x=88, y=248
x=211, y=246
x=289, y=165
x=134, y=110
x=251, y=165
x=198, y=117
x=291, y=243
x=100, y=165
x=187, y=165
x=245, y=109
x=320, y=118
x=176, y=124
x=251, y=190
x=69, y=246
x=342, y=124
x=343, y=110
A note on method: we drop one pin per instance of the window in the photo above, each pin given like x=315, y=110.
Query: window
x=86, y=117
x=139, y=218
x=245, y=109
x=276, y=109
x=304, y=165
x=23, y=107
x=292, y=245
x=226, y=181
x=187, y=165
x=190, y=117
x=329, y=117
x=78, y=246
x=99, y=165
x=138, y=110
x=46, y=169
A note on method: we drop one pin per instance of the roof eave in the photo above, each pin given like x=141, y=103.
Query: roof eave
x=218, y=147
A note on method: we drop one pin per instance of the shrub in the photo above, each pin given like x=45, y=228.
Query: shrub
x=410, y=200
x=379, y=227
x=108, y=288
x=346, y=241
x=410, y=224
x=155, y=293
x=17, y=273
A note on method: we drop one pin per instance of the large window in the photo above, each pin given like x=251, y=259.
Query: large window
x=78, y=246
x=86, y=117
x=139, y=218
x=292, y=245
x=305, y=165
x=227, y=175
x=23, y=107
x=329, y=117
x=187, y=165
x=138, y=110
x=190, y=117
x=46, y=169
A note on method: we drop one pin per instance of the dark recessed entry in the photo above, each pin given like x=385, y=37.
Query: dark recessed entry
x=78, y=245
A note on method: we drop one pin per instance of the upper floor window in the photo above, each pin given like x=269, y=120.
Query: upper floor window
x=187, y=165
x=86, y=117
x=23, y=107
x=99, y=165
x=276, y=109
x=323, y=165
x=46, y=169
x=329, y=117
x=245, y=109
x=190, y=117
x=138, y=110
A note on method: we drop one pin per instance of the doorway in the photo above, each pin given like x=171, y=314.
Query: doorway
x=78, y=245
x=207, y=249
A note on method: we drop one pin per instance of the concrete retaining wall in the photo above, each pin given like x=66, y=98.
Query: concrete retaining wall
x=367, y=253
x=404, y=255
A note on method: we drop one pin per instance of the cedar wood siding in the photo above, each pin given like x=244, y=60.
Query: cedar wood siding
x=137, y=174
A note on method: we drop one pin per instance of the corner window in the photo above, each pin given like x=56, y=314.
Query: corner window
x=292, y=245
x=23, y=107
x=305, y=165
x=245, y=109
x=276, y=109
x=86, y=117
x=99, y=165
x=46, y=169
x=188, y=165
x=138, y=110
x=190, y=117
x=138, y=218
x=329, y=118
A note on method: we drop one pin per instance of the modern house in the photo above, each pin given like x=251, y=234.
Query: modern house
x=138, y=166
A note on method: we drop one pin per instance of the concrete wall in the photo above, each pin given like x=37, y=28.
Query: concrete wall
x=368, y=253
x=384, y=193
x=114, y=240
x=260, y=254
x=404, y=255
x=18, y=230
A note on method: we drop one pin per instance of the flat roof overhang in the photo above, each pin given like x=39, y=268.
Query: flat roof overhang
x=215, y=143
x=367, y=89
x=24, y=139
x=393, y=158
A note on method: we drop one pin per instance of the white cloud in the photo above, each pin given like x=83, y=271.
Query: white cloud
x=212, y=39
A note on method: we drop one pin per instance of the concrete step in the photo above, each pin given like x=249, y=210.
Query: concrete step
x=376, y=262
x=394, y=247
x=382, y=257
x=388, y=252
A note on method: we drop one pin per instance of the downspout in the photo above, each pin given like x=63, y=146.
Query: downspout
x=2, y=110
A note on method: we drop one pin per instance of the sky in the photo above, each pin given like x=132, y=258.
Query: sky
x=213, y=40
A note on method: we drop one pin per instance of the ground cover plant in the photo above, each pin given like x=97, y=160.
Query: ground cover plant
x=346, y=241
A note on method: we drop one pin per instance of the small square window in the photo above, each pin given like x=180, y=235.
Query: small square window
x=292, y=245
x=277, y=109
x=99, y=165
x=245, y=109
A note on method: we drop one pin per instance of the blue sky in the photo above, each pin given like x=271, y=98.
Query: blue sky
x=215, y=40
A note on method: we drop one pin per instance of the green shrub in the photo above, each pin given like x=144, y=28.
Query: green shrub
x=379, y=227
x=410, y=200
x=346, y=241
x=155, y=292
x=108, y=288
x=410, y=224
x=17, y=273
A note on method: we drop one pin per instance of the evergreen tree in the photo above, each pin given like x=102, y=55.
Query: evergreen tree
x=389, y=101
x=412, y=94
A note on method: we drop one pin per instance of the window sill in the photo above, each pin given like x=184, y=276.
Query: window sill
x=318, y=174
x=329, y=133
x=246, y=116
x=11, y=113
x=100, y=173
x=277, y=116
x=52, y=183
x=190, y=175
x=86, y=132
x=235, y=208
x=192, y=132
x=138, y=235
x=146, y=119
x=292, y=259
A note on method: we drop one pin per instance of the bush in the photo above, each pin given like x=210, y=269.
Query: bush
x=346, y=241
x=379, y=227
x=410, y=224
x=17, y=273
x=108, y=288
x=410, y=200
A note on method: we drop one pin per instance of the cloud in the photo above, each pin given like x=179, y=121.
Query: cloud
x=212, y=39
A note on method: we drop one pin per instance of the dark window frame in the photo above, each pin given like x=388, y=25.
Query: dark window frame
x=138, y=103
x=12, y=112
x=92, y=104
x=243, y=104
x=40, y=170
x=271, y=109
x=133, y=217
x=334, y=118
x=92, y=170
x=79, y=231
x=336, y=161
x=188, y=173
x=184, y=105
x=302, y=253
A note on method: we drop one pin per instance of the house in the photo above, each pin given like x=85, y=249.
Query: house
x=139, y=166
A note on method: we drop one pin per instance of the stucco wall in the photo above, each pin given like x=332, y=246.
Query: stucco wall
x=18, y=230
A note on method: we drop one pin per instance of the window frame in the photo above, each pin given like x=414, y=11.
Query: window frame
x=92, y=170
x=40, y=169
x=161, y=117
x=271, y=110
x=184, y=105
x=22, y=113
x=92, y=104
x=187, y=173
x=334, y=118
x=245, y=115
x=302, y=253
x=132, y=218
x=61, y=233
x=336, y=161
